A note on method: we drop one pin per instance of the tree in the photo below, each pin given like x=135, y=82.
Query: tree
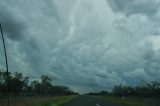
x=22, y=86
x=45, y=85
x=17, y=83
x=36, y=86
x=3, y=82
x=26, y=88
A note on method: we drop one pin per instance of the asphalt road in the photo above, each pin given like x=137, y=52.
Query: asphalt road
x=89, y=101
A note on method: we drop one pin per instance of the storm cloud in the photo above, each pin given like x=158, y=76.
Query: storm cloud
x=129, y=7
x=86, y=45
x=14, y=27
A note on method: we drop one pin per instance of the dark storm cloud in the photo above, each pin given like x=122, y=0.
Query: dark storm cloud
x=151, y=61
x=13, y=26
x=119, y=5
x=129, y=7
x=85, y=45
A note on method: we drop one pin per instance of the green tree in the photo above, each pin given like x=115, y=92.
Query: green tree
x=36, y=87
x=45, y=85
x=17, y=83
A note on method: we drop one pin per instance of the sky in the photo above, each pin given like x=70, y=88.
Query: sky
x=87, y=45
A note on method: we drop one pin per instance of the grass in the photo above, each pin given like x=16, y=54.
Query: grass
x=58, y=101
x=37, y=101
x=134, y=101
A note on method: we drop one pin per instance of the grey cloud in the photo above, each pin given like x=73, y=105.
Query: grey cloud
x=129, y=7
x=83, y=44
x=13, y=26
x=119, y=5
x=101, y=75
x=151, y=61
x=51, y=9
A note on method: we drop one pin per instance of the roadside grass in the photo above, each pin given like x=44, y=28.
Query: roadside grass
x=134, y=101
x=37, y=101
x=58, y=101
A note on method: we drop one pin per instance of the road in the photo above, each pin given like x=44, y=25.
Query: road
x=89, y=101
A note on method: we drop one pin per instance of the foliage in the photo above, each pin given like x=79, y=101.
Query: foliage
x=22, y=86
x=133, y=101
x=98, y=93
x=37, y=101
x=151, y=89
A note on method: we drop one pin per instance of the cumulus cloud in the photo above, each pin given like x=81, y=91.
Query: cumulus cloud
x=86, y=45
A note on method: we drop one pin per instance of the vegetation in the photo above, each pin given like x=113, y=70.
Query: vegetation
x=22, y=86
x=146, y=95
x=37, y=101
x=41, y=92
x=133, y=101
x=151, y=89
x=98, y=93
x=58, y=101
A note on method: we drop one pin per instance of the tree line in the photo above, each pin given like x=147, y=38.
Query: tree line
x=151, y=89
x=23, y=86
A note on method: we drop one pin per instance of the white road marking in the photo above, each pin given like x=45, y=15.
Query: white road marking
x=98, y=105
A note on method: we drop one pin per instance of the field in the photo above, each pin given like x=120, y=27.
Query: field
x=59, y=100
x=134, y=101
x=37, y=101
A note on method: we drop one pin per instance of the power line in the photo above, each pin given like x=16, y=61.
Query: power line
x=5, y=52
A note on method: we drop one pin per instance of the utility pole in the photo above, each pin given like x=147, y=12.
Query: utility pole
x=5, y=52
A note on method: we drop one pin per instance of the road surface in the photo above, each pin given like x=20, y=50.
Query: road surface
x=90, y=101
